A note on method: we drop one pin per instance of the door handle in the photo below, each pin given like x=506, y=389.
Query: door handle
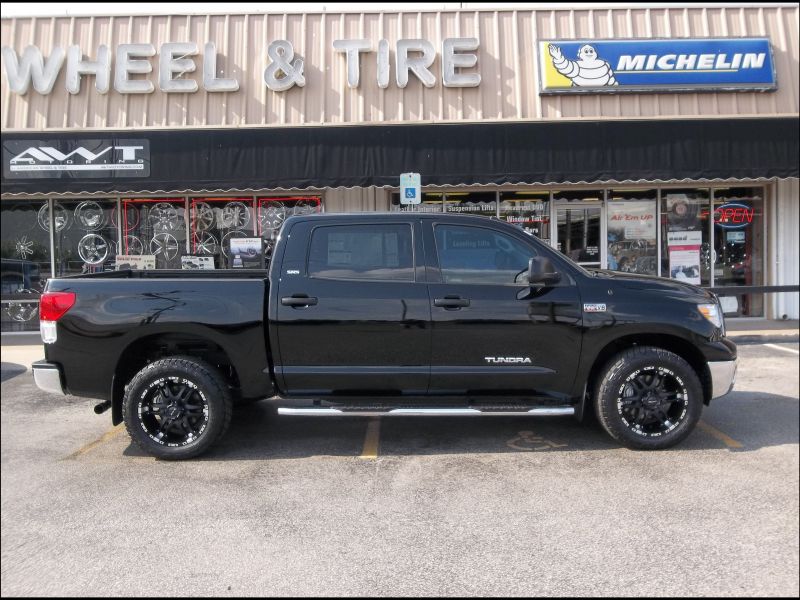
x=298, y=300
x=451, y=302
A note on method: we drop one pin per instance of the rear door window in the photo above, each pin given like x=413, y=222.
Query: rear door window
x=367, y=252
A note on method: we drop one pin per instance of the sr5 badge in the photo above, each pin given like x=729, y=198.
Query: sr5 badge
x=594, y=308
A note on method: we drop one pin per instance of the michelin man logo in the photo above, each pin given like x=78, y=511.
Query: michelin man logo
x=588, y=71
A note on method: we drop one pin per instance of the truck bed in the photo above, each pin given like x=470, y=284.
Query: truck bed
x=174, y=274
x=120, y=317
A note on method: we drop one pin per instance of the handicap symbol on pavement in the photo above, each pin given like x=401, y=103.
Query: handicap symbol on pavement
x=526, y=440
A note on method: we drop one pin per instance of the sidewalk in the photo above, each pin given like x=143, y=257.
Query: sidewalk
x=21, y=354
x=762, y=332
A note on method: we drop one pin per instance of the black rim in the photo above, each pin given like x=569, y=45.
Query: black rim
x=652, y=401
x=173, y=411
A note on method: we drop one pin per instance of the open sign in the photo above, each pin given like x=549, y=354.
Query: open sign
x=733, y=215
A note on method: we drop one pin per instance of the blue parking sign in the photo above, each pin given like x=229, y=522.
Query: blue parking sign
x=410, y=188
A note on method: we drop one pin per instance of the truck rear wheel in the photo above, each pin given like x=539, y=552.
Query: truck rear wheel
x=176, y=408
x=648, y=398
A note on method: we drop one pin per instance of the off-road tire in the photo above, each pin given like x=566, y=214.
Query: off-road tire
x=203, y=385
x=616, y=392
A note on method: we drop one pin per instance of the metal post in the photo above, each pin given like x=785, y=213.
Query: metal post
x=186, y=220
x=603, y=242
x=52, y=228
x=120, y=240
x=658, y=231
x=771, y=267
x=712, y=255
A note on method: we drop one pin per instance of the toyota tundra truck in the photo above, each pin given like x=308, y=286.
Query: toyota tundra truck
x=399, y=314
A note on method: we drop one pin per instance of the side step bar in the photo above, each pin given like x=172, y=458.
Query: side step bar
x=426, y=412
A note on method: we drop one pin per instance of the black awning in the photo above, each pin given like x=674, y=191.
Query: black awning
x=444, y=154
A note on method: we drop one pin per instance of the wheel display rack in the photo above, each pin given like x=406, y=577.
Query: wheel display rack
x=215, y=221
x=154, y=226
x=158, y=225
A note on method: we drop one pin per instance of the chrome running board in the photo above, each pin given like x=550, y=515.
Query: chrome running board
x=427, y=412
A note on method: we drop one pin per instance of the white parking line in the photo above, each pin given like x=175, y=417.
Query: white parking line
x=782, y=348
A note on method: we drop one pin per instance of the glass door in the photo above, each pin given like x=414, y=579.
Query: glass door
x=578, y=233
x=738, y=243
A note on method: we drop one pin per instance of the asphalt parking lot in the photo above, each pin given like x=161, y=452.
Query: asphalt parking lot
x=440, y=506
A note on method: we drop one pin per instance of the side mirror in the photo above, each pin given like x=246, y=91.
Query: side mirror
x=541, y=272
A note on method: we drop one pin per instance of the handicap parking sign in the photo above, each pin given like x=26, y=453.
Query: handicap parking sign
x=410, y=188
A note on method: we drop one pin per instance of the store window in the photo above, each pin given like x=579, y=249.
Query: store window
x=431, y=202
x=85, y=236
x=528, y=210
x=273, y=211
x=579, y=226
x=685, y=237
x=25, y=257
x=631, y=231
x=739, y=247
x=483, y=204
x=153, y=229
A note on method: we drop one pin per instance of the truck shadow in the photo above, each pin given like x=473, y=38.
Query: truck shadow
x=752, y=420
x=9, y=370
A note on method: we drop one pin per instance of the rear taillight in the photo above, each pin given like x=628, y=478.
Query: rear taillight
x=52, y=306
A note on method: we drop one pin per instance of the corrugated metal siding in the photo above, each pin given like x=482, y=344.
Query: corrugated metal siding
x=507, y=61
x=786, y=217
x=369, y=199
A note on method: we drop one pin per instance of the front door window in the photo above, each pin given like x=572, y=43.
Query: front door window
x=476, y=255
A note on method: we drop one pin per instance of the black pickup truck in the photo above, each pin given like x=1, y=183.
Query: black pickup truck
x=387, y=314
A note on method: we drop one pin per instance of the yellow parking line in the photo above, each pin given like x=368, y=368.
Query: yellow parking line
x=371, y=439
x=722, y=437
x=103, y=439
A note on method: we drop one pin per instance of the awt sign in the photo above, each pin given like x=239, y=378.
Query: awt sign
x=25, y=159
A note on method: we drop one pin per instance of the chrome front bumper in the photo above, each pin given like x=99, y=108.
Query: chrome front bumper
x=723, y=376
x=48, y=377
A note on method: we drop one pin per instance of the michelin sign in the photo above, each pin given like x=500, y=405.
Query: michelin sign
x=644, y=65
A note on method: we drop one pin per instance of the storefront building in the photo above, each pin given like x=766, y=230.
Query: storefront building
x=653, y=140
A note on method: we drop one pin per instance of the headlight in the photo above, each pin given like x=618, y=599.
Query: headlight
x=712, y=313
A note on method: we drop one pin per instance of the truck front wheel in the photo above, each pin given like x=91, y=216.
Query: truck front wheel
x=648, y=398
x=176, y=408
